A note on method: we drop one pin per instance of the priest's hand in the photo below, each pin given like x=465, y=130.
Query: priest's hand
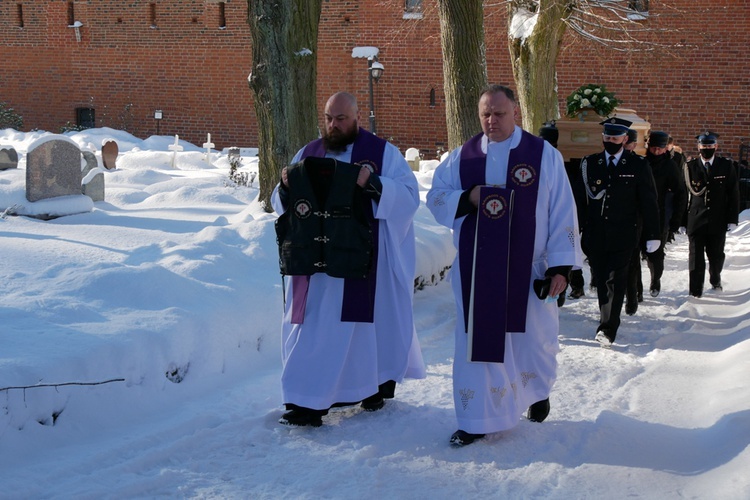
x=557, y=285
x=284, y=178
x=363, y=177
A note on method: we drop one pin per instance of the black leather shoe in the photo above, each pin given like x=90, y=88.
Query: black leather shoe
x=301, y=417
x=655, y=288
x=576, y=293
x=604, y=337
x=462, y=438
x=631, y=308
x=538, y=411
x=373, y=403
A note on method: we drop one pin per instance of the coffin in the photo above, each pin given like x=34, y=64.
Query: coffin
x=582, y=135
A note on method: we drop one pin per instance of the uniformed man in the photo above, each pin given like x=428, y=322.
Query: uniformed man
x=619, y=191
x=667, y=180
x=678, y=157
x=712, y=211
x=634, y=293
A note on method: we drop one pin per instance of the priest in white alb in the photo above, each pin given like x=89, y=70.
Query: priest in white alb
x=507, y=198
x=347, y=251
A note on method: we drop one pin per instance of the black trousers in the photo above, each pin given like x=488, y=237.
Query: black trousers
x=635, y=282
x=704, y=245
x=611, y=274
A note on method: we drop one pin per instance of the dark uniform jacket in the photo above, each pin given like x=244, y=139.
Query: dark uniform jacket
x=325, y=228
x=714, y=195
x=617, y=200
x=668, y=179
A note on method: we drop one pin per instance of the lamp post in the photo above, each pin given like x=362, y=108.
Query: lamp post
x=375, y=70
x=157, y=116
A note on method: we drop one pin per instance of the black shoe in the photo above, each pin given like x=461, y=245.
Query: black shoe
x=538, y=411
x=604, y=337
x=696, y=294
x=576, y=293
x=640, y=297
x=300, y=417
x=373, y=403
x=718, y=287
x=631, y=308
x=655, y=288
x=462, y=438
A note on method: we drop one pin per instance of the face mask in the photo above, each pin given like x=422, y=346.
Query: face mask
x=611, y=147
x=707, y=154
x=653, y=157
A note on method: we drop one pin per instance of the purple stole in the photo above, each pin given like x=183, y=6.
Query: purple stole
x=359, y=294
x=503, y=229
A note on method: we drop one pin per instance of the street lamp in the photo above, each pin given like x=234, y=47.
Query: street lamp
x=375, y=70
x=157, y=116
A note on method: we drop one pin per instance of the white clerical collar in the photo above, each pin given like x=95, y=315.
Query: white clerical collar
x=514, y=139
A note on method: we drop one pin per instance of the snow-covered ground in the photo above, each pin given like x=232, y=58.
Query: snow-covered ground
x=175, y=277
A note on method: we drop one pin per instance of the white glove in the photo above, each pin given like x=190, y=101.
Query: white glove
x=682, y=230
x=731, y=227
x=652, y=246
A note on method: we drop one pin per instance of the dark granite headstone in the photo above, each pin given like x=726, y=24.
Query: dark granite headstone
x=110, y=150
x=53, y=168
x=8, y=158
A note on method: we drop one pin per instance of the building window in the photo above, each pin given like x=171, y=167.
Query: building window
x=222, y=16
x=85, y=118
x=71, y=14
x=152, y=14
x=412, y=9
x=19, y=12
x=638, y=10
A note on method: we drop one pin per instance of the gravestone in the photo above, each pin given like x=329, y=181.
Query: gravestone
x=91, y=162
x=92, y=184
x=175, y=148
x=53, y=168
x=412, y=158
x=110, y=150
x=8, y=158
x=208, y=145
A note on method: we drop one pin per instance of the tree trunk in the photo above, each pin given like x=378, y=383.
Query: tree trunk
x=464, y=66
x=534, y=57
x=283, y=82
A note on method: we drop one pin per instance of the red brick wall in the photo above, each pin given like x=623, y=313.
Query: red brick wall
x=196, y=73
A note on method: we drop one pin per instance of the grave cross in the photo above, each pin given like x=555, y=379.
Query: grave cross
x=208, y=145
x=175, y=147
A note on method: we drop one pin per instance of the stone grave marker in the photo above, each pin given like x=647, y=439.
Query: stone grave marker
x=412, y=158
x=53, y=168
x=175, y=148
x=110, y=150
x=92, y=184
x=8, y=158
x=208, y=145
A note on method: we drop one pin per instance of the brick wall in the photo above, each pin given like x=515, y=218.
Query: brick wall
x=195, y=71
